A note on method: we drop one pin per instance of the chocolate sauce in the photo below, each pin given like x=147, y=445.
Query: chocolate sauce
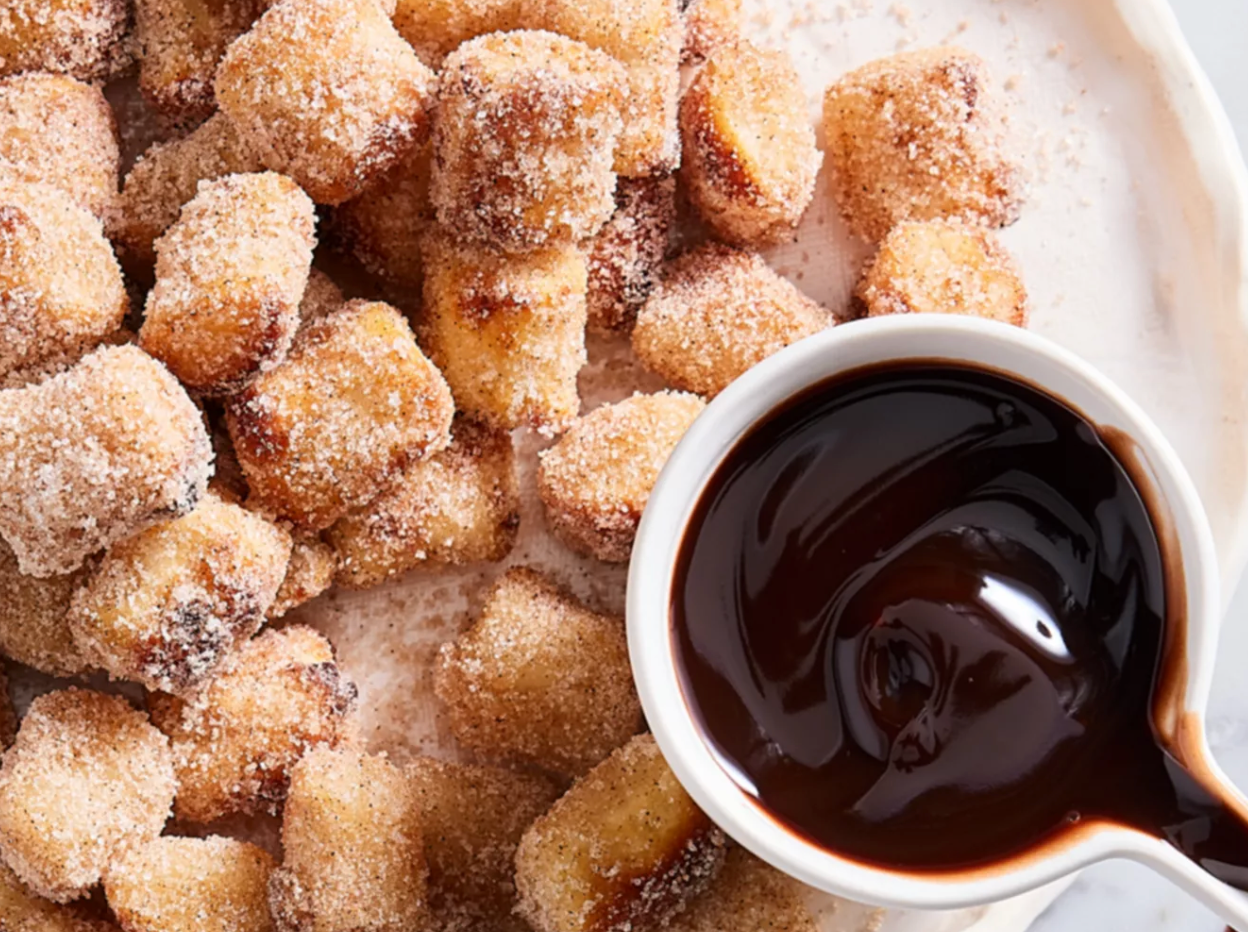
x=920, y=613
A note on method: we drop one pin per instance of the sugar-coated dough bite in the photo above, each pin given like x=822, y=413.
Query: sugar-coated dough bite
x=95, y=455
x=310, y=572
x=321, y=297
x=34, y=618
x=749, y=895
x=624, y=848
x=61, y=289
x=234, y=744
x=461, y=505
x=88, y=779
x=59, y=131
x=507, y=331
x=920, y=136
x=435, y=28
x=472, y=819
x=209, y=884
x=750, y=157
x=168, y=606
x=81, y=38
x=23, y=911
x=327, y=92
x=626, y=255
x=944, y=267
x=354, y=857
x=645, y=36
x=719, y=312
x=168, y=176
x=539, y=679
x=709, y=24
x=382, y=228
x=524, y=136
x=181, y=42
x=595, y=482
x=328, y=429
x=230, y=275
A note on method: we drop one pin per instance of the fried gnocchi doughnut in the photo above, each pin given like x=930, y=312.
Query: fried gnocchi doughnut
x=435, y=28
x=354, y=857
x=321, y=298
x=947, y=267
x=539, y=679
x=645, y=36
x=719, y=312
x=709, y=24
x=166, y=607
x=327, y=92
x=34, y=618
x=382, y=227
x=461, y=505
x=472, y=819
x=310, y=572
x=507, y=331
x=333, y=425
x=919, y=136
x=750, y=157
x=95, y=455
x=22, y=911
x=84, y=39
x=625, y=257
x=594, y=483
x=624, y=848
x=168, y=176
x=58, y=131
x=234, y=745
x=230, y=275
x=88, y=779
x=749, y=895
x=524, y=136
x=61, y=290
x=181, y=43
x=211, y=884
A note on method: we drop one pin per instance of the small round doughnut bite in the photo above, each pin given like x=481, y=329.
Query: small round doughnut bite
x=327, y=92
x=310, y=572
x=539, y=679
x=943, y=267
x=645, y=36
x=719, y=312
x=181, y=43
x=749, y=895
x=709, y=24
x=87, y=780
x=230, y=275
x=524, y=136
x=334, y=424
x=354, y=856
x=84, y=39
x=920, y=136
x=95, y=455
x=25, y=912
x=61, y=290
x=507, y=331
x=168, y=176
x=472, y=819
x=34, y=618
x=626, y=255
x=321, y=298
x=594, y=483
x=435, y=28
x=382, y=228
x=461, y=505
x=166, y=607
x=750, y=157
x=624, y=848
x=234, y=745
x=59, y=131
x=211, y=884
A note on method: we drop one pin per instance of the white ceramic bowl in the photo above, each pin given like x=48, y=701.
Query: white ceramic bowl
x=1176, y=510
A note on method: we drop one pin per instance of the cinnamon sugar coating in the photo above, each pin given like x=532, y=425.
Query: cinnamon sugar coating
x=34, y=618
x=626, y=256
x=85, y=39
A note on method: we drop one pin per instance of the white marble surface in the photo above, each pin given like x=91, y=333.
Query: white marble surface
x=1122, y=895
